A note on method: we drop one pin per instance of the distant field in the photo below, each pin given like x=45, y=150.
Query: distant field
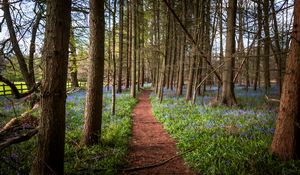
x=5, y=90
x=21, y=86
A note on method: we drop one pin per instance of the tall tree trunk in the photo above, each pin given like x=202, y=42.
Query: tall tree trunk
x=228, y=97
x=73, y=61
x=286, y=140
x=51, y=137
x=113, y=97
x=35, y=28
x=193, y=61
x=157, y=44
x=257, y=63
x=138, y=43
x=143, y=45
x=182, y=53
x=94, y=96
x=174, y=53
x=164, y=63
x=134, y=48
x=109, y=50
x=221, y=42
x=267, y=44
x=120, y=47
x=277, y=50
x=128, y=58
x=240, y=49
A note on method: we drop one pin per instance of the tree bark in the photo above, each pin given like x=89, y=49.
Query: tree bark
x=113, y=97
x=182, y=54
x=257, y=63
x=277, y=50
x=189, y=88
x=73, y=61
x=51, y=137
x=267, y=44
x=286, y=140
x=120, y=47
x=134, y=48
x=128, y=58
x=93, y=106
x=165, y=59
x=142, y=45
x=35, y=28
x=228, y=96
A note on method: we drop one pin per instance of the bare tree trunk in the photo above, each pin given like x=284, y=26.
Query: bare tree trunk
x=286, y=140
x=228, y=97
x=257, y=67
x=134, y=48
x=128, y=58
x=109, y=51
x=182, y=53
x=240, y=49
x=94, y=96
x=157, y=44
x=277, y=50
x=51, y=137
x=267, y=44
x=35, y=28
x=73, y=62
x=165, y=59
x=189, y=88
x=143, y=45
x=221, y=43
x=120, y=47
x=113, y=97
x=138, y=43
x=174, y=53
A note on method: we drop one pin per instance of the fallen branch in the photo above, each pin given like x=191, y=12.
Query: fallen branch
x=18, y=139
x=9, y=125
x=272, y=99
x=203, y=80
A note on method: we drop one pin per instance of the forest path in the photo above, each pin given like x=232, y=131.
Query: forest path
x=150, y=144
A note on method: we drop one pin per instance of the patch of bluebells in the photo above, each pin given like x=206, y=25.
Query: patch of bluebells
x=262, y=121
x=247, y=130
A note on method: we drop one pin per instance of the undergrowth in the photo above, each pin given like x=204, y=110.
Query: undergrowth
x=104, y=158
x=224, y=140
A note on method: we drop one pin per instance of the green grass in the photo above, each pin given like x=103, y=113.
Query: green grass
x=99, y=159
x=224, y=140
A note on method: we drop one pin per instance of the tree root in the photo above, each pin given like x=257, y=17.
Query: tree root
x=156, y=164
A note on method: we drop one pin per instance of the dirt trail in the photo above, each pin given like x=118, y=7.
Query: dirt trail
x=151, y=144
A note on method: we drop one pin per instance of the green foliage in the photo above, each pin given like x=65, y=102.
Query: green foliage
x=224, y=140
x=116, y=130
x=100, y=159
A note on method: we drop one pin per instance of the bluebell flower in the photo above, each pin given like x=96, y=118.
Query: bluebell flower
x=6, y=108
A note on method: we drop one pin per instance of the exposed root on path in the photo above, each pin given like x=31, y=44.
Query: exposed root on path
x=156, y=164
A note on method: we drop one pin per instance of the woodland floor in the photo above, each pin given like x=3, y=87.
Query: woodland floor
x=151, y=145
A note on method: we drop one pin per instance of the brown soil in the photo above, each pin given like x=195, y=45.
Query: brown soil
x=150, y=144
